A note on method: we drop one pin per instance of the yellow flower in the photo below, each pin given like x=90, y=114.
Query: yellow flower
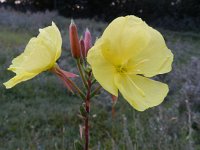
x=128, y=52
x=39, y=55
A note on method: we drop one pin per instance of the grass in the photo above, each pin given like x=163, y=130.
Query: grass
x=41, y=115
x=10, y=39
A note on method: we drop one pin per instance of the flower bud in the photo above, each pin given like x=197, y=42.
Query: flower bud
x=82, y=45
x=74, y=40
x=87, y=40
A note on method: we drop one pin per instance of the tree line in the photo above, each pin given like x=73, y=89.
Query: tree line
x=108, y=9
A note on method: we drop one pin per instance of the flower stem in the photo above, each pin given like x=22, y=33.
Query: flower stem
x=95, y=91
x=81, y=73
x=87, y=108
x=77, y=89
x=70, y=84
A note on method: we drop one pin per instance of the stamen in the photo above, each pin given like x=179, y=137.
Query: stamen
x=121, y=69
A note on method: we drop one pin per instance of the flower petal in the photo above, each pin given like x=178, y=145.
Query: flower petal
x=141, y=92
x=17, y=79
x=35, y=59
x=154, y=59
x=51, y=38
x=39, y=55
x=124, y=38
x=103, y=71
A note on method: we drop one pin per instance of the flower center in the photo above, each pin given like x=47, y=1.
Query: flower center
x=121, y=69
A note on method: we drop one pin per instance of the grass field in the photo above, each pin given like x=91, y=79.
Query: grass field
x=41, y=115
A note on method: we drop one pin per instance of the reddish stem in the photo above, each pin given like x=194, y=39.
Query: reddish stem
x=113, y=112
x=87, y=107
x=114, y=100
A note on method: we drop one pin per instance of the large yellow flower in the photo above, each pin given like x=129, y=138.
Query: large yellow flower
x=128, y=52
x=39, y=55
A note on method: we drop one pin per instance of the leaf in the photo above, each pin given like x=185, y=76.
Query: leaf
x=78, y=145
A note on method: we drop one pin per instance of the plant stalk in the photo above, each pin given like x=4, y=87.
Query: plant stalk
x=95, y=91
x=81, y=73
x=77, y=89
x=87, y=108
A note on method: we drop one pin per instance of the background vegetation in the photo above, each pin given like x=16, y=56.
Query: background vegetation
x=41, y=115
x=171, y=14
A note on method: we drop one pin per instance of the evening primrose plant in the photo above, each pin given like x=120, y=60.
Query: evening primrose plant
x=122, y=60
x=40, y=54
x=128, y=52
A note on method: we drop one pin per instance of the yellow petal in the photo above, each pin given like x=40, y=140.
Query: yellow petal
x=124, y=38
x=102, y=70
x=39, y=55
x=51, y=38
x=17, y=79
x=141, y=92
x=35, y=59
x=154, y=59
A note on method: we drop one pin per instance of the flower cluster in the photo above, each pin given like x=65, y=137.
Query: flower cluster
x=122, y=59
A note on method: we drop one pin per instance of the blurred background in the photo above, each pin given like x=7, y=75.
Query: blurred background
x=41, y=115
x=171, y=14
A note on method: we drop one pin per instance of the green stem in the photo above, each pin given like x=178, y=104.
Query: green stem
x=87, y=108
x=95, y=91
x=77, y=89
x=81, y=73
x=93, y=81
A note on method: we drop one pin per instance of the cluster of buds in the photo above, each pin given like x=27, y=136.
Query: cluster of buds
x=79, y=46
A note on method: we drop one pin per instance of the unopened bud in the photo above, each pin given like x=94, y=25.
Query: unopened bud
x=82, y=45
x=87, y=40
x=74, y=40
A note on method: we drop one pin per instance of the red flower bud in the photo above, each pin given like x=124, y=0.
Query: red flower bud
x=82, y=44
x=87, y=40
x=74, y=40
